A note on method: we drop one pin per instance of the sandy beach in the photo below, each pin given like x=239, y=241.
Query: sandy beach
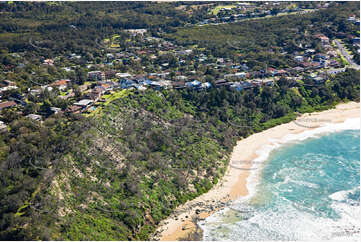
x=233, y=185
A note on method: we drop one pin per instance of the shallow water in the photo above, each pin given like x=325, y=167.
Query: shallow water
x=307, y=190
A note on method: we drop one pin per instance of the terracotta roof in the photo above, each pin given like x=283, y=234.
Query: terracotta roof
x=60, y=83
x=7, y=104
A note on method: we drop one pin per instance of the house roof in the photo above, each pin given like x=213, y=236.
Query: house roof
x=60, y=82
x=84, y=102
x=7, y=104
x=73, y=108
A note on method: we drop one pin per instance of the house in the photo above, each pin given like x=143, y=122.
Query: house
x=123, y=75
x=109, y=55
x=7, y=104
x=240, y=74
x=156, y=85
x=309, y=52
x=271, y=71
x=96, y=75
x=335, y=71
x=319, y=80
x=110, y=74
x=298, y=69
x=220, y=83
x=181, y=78
x=320, y=56
x=140, y=87
x=332, y=53
x=239, y=86
x=3, y=126
x=61, y=84
x=84, y=102
x=74, y=109
x=126, y=83
x=268, y=82
x=205, y=85
x=49, y=62
x=96, y=93
x=35, y=92
x=178, y=85
x=299, y=58
x=281, y=72
x=55, y=110
x=7, y=88
x=136, y=31
x=256, y=82
x=333, y=63
x=72, y=94
x=193, y=84
x=323, y=38
x=352, y=18
x=34, y=117
x=8, y=83
x=317, y=65
x=107, y=86
x=306, y=65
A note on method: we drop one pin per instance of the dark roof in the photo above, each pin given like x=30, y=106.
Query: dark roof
x=220, y=83
x=73, y=109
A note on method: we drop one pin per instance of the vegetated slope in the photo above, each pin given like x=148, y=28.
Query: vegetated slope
x=117, y=174
x=62, y=27
x=259, y=40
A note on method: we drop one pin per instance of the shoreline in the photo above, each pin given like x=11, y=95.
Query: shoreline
x=181, y=224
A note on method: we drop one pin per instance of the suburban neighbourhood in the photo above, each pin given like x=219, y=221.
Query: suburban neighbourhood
x=172, y=66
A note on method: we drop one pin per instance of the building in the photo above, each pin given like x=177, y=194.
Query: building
x=61, y=84
x=84, y=102
x=299, y=58
x=74, y=109
x=49, y=62
x=136, y=31
x=178, y=85
x=7, y=104
x=268, y=82
x=96, y=75
x=123, y=75
x=34, y=117
x=3, y=127
x=221, y=83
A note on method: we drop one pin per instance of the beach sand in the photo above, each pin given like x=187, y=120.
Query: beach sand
x=180, y=224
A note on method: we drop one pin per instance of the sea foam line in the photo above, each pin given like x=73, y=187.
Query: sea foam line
x=264, y=152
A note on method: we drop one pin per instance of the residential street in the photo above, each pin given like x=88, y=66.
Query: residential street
x=346, y=55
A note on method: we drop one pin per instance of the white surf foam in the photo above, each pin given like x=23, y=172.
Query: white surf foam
x=264, y=152
x=253, y=180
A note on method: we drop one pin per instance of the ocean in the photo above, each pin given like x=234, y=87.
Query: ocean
x=308, y=189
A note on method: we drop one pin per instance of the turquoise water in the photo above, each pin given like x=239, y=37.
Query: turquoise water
x=308, y=190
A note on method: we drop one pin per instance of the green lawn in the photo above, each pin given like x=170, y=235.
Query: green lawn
x=109, y=98
x=119, y=94
x=218, y=8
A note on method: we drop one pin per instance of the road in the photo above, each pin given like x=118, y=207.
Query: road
x=255, y=18
x=346, y=55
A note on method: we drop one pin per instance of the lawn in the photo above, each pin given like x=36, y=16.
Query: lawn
x=111, y=97
x=218, y=8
